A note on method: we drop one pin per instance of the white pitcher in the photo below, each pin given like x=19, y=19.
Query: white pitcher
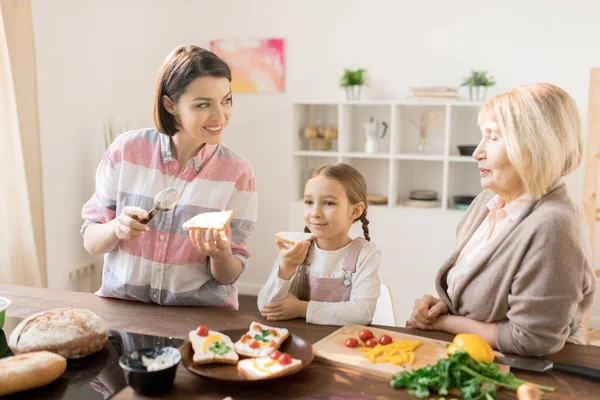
x=372, y=135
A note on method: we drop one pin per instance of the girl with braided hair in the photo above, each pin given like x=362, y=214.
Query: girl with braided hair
x=332, y=279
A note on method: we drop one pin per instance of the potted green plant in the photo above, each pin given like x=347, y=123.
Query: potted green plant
x=352, y=81
x=478, y=82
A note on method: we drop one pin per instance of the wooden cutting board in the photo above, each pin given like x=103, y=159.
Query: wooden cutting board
x=332, y=350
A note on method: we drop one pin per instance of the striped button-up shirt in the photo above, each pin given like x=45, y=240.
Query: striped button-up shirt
x=162, y=265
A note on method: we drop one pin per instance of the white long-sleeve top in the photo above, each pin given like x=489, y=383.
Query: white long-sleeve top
x=329, y=264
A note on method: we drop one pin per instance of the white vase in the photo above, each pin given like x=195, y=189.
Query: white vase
x=477, y=93
x=353, y=92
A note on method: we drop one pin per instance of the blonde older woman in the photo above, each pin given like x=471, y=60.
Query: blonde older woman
x=521, y=274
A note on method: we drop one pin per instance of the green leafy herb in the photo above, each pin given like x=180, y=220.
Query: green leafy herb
x=219, y=348
x=263, y=336
x=475, y=380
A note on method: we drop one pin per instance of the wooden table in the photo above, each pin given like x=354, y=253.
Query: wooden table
x=317, y=379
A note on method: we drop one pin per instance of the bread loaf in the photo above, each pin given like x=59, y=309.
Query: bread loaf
x=29, y=371
x=72, y=333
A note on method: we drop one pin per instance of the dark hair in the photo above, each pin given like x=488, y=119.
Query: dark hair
x=356, y=190
x=179, y=69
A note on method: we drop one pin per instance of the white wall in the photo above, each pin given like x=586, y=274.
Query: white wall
x=98, y=58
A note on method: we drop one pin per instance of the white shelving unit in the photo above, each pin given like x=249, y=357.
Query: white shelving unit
x=399, y=167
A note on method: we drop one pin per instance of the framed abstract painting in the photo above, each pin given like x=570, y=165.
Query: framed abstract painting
x=258, y=65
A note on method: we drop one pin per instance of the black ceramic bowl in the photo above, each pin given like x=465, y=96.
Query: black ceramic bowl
x=463, y=199
x=467, y=150
x=151, y=382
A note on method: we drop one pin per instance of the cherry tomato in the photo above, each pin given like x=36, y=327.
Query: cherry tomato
x=351, y=342
x=365, y=335
x=202, y=331
x=385, y=339
x=371, y=343
x=254, y=344
x=275, y=355
x=285, y=359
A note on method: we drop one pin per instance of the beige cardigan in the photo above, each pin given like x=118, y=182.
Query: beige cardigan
x=536, y=279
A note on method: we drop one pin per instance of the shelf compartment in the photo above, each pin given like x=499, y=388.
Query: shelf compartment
x=305, y=167
x=409, y=119
x=304, y=115
x=418, y=175
x=464, y=130
x=352, y=118
x=463, y=180
x=376, y=173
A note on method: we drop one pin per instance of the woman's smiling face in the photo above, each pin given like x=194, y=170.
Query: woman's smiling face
x=204, y=109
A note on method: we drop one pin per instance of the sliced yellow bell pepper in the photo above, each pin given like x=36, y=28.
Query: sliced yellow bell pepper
x=474, y=345
x=208, y=340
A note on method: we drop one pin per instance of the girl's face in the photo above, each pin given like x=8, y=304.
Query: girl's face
x=495, y=169
x=203, y=109
x=328, y=213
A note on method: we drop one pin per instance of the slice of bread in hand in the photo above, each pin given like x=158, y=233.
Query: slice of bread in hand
x=209, y=220
x=269, y=339
x=264, y=367
x=213, y=348
x=30, y=370
x=291, y=238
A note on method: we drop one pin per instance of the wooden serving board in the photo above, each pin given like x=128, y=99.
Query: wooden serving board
x=332, y=350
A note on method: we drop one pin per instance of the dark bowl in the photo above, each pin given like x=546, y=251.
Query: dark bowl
x=150, y=382
x=423, y=194
x=463, y=199
x=467, y=150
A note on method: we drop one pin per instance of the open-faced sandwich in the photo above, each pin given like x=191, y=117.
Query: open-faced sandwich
x=276, y=364
x=212, y=347
x=289, y=239
x=261, y=340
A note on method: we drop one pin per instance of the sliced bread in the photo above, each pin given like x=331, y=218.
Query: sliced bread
x=265, y=367
x=209, y=220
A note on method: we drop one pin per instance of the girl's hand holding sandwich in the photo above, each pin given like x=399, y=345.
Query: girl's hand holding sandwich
x=291, y=258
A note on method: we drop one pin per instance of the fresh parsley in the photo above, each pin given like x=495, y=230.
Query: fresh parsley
x=219, y=348
x=475, y=380
x=263, y=336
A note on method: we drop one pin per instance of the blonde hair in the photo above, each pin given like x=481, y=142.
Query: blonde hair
x=355, y=186
x=541, y=126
